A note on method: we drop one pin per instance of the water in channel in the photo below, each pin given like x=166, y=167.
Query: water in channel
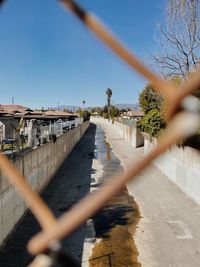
x=115, y=225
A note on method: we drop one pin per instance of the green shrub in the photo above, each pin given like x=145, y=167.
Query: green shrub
x=152, y=123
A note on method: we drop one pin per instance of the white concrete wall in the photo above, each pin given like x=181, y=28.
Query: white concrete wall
x=181, y=166
x=38, y=165
x=129, y=133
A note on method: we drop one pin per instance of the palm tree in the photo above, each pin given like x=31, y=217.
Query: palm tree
x=109, y=94
x=83, y=103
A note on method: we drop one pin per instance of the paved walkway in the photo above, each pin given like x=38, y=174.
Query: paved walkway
x=168, y=233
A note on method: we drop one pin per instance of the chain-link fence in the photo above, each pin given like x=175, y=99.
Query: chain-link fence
x=183, y=121
x=129, y=122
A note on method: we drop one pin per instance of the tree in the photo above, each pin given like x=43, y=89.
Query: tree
x=96, y=110
x=105, y=112
x=180, y=39
x=114, y=112
x=110, y=112
x=66, y=110
x=150, y=99
x=109, y=94
x=151, y=103
x=83, y=103
x=85, y=114
x=152, y=123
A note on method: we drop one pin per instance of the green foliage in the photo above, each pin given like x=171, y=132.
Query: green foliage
x=105, y=115
x=96, y=111
x=66, y=110
x=85, y=114
x=152, y=122
x=105, y=109
x=110, y=112
x=150, y=99
x=113, y=112
x=104, y=112
x=151, y=103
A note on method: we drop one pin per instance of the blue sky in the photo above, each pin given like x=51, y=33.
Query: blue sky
x=48, y=56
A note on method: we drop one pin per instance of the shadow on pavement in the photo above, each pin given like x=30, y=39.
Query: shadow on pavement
x=70, y=184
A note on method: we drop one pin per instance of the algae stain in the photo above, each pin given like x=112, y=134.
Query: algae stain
x=115, y=226
x=108, y=151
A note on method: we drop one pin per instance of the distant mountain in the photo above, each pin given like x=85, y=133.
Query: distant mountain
x=135, y=106
x=119, y=106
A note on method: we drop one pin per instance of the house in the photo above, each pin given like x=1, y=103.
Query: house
x=16, y=119
x=135, y=115
x=8, y=122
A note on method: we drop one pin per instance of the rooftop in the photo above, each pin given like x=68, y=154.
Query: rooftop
x=18, y=111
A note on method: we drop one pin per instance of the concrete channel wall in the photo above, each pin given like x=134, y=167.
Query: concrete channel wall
x=129, y=133
x=181, y=165
x=38, y=165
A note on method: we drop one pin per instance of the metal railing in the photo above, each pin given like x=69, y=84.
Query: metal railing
x=181, y=124
x=126, y=121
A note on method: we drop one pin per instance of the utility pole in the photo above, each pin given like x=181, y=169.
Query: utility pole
x=58, y=105
x=13, y=100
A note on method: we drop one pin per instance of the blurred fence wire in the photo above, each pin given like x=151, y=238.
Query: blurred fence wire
x=183, y=121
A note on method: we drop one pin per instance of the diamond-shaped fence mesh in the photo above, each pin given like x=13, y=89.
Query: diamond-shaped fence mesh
x=183, y=121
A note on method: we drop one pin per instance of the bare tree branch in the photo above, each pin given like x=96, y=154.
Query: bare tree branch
x=180, y=39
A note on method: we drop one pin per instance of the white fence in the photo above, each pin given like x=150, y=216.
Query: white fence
x=43, y=134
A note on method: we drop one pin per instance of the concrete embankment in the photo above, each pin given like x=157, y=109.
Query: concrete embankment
x=129, y=133
x=181, y=165
x=168, y=232
x=39, y=166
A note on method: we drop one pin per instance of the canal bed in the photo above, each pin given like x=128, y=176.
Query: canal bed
x=115, y=225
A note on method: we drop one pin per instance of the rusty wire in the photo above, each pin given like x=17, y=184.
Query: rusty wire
x=181, y=125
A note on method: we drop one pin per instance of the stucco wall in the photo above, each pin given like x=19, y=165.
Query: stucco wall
x=38, y=165
x=180, y=165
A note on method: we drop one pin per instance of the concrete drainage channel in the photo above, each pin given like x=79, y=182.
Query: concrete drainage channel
x=109, y=239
